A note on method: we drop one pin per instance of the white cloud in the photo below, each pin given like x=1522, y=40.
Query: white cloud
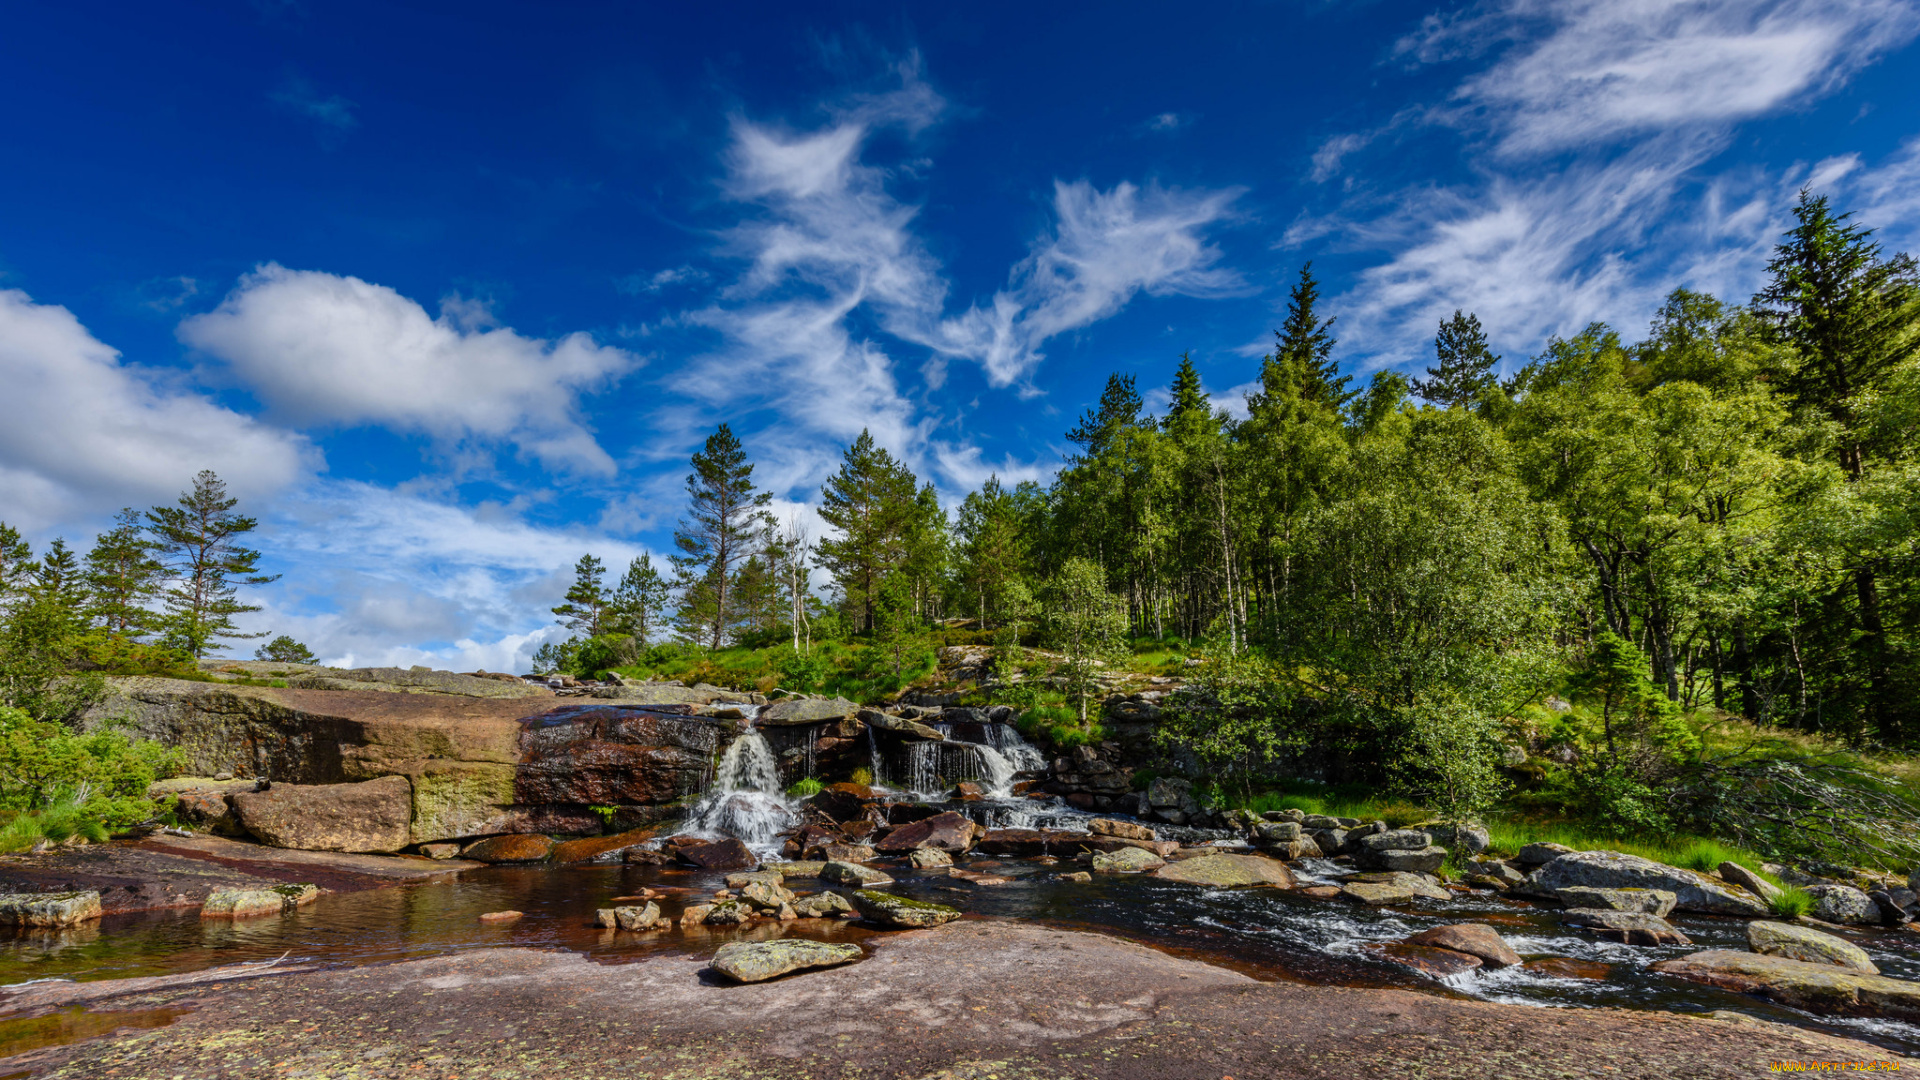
x=322, y=348
x=82, y=433
x=1107, y=247
x=1593, y=203
x=1327, y=159
x=1605, y=69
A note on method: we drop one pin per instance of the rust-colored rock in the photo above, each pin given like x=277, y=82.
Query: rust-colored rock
x=1425, y=959
x=949, y=832
x=843, y=802
x=728, y=854
x=591, y=848
x=368, y=817
x=615, y=754
x=1474, y=939
x=1565, y=967
x=519, y=848
x=1030, y=843
x=501, y=916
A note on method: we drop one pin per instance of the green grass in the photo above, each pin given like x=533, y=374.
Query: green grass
x=805, y=787
x=56, y=824
x=1791, y=902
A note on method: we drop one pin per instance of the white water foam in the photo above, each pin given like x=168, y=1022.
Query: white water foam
x=745, y=801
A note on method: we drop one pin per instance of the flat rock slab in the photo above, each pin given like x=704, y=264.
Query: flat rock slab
x=1806, y=943
x=49, y=909
x=371, y=816
x=1428, y=960
x=890, y=910
x=1627, y=927
x=1817, y=988
x=1228, y=871
x=960, y=1002
x=948, y=832
x=528, y=848
x=758, y=961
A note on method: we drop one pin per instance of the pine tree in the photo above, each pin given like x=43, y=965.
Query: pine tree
x=1305, y=344
x=1188, y=397
x=1464, y=375
x=585, y=608
x=725, y=525
x=16, y=566
x=124, y=577
x=639, y=600
x=40, y=639
x=1119, y=410
x=198, y=541
x=284, y=650
x=870, y=501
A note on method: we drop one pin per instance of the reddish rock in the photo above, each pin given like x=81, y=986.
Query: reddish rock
x=510, y=849
x=1425, y=959
x=1131, y=830
x=1322, y=892
x=615, y=754
x=598, y=847
x=843, y=802
x=857, y=831
x=949, y=832
x=1081, y=800
x=908, y=813
x=501, y=916
x=1564, y=967
x=728, y=854
x=853, y=853
x=1474, y=939
x=968, y=791
x=1030, y=843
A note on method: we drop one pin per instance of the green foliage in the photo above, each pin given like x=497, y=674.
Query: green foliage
x=66, y=817
x=871, y=504
x=1791, y=902
x=1446, y=753
x=862, y=775
x=198, y=540
x=727, y=524
x=601, y=654
x=801, y=672
x=585, y=608
x=105, y=772
x=1086, y=623
x=805, y=787
x=284, y=650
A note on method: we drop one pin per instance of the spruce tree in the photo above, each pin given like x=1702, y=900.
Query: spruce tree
x=639, y=600
x=1119, y=410
x=198, y=541
x=725, y=525
x=871, y=502
x=1304, y=344
x=124, y=577
x=1464, y=374
x=1188, y=398
x=16, y=566
x=585, y=608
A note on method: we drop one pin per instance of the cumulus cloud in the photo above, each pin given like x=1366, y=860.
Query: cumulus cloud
x=322, y=348
x=82, y=432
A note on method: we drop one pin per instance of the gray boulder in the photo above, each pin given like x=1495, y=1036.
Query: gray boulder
x=1807, y=944
x=806, y=711
x=1471, y=839
x=1650, y=901
x=1843, y=904
x=1734, y=874
x=1394, y=840
x=758, y=961
x=849, y=873
x=1421, y=861
x=890, y=910
x=1628, y=927
x=1541, y=854
x=49, y=909
x=1615, y=870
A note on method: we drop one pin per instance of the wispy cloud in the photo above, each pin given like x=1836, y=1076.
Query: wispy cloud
x=323, y=348
x=331, y=111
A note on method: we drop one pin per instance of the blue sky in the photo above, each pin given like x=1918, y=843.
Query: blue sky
x=449, y=293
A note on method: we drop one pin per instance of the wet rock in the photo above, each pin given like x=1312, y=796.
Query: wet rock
x=1289, y=814
x=1277, y=832
x=750, y=877
x=631, y=918
x=1291, y=850
x=1228, y=871
x=1422, y=861
x=1329, y=841
x=1734, y=874
x=728, y=854
x=440, y=851
x=1131, y=830
x=1080, y=876
x=1029, y=843
x=929, y=858
x=949, y=832
x=842, y=802
x=1627, y=927
x=911, y=729
x=968, y=791
x=890, y=910
x=1317, y=822
x=728, y=913
x=615, y=755
x=1500, y=872
x=840, y=853
x=374, y=816
x=1393, y=840
x=1651, y=901
x=49, y=909
x=1425, y=886
x=975, y=878
x=510, y=849
x=1614, y=870
x=502, y=916
x=849, y=873
x=1808, y=945
x=229, y=903
x=1127, y=860
x=1817, y=988
x=1843, y=904
x=1541, y=854
x=806, y=711
x=595, y=848
x=1427, y=960
x=758, y=961
x=1562, y=967
x=821, y=905
x=799, y=869
x=1474, y=939
x=695, y=914
x=762, y=894
x=1894, y=904
x=1322, y=892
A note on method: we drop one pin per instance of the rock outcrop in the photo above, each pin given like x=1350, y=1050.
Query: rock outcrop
x=1817, y=988
x=372, y=816
x=1614, y=870
x=1808, y=945
x=1228, y=871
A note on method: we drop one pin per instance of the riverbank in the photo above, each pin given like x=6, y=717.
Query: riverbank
x=973, y=999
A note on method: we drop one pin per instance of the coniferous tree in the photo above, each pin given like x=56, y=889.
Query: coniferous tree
x=1305, y=344
x=284, y=650
x=124, y=577
x=725, y=525
x=16, y=566
x=639, y=601
x=586, y=603
x=1464, y=375
x=198, y=541
x=1119, y=410
x=871, y=503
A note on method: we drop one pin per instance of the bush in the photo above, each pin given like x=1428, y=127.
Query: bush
x=862, y=776
x=1791, y=902
x=805, y=787
x=42, y=765
x=801, y=672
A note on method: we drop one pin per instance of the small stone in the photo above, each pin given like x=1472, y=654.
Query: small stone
x=695, y=915
x=502, y=916
x=1395, y=840
x=1423, y=861
x=1321, y=892
x=1080, y=876
x=1627, y=927
x=1426, y=959
x=1127, y=860
x=1562, y=967
x=758, y=961
x=850, y=873
x=821, y=905
x=728, y=913
x=1807, y=944
x=728, y=854
x=764, y=895
x=889, y=910
x=246, y=903
x=1474, y=939
x=929, y=858
x=1277, y=832
x=439, y=851
x=1651, y=901
x=513, y=848
x=1131, y=830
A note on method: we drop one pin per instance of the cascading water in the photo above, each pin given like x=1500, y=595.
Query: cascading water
x=745, y=800
x=931, y=766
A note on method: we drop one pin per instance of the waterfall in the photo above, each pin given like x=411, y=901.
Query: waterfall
x=1006, y=739
x=745, y=801
x=874, y=759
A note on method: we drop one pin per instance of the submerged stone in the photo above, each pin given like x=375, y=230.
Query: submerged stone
x=1474, y=939
x=1427, y=959
x=246, y=903
x=1627, y=927
x=1650, y=901
x=1127, y=860
x=757, y=961
x=821, y=905
x=850, y=873
x=515, y=848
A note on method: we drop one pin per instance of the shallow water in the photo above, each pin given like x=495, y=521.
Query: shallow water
x=1266, y=933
